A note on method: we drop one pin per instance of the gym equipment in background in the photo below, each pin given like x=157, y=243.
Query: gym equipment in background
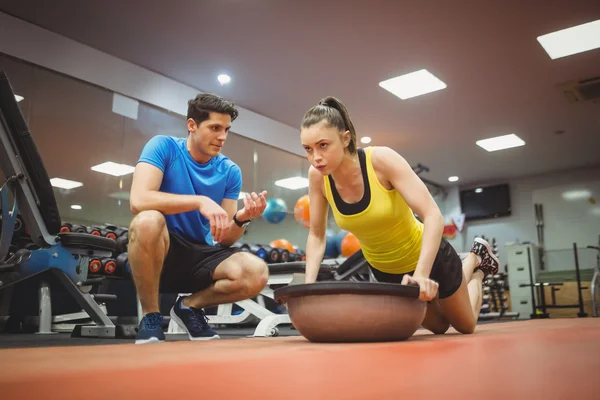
x=302, y=211
x=59, y=260
x=275, y=211
x=331, y=248
x=349, y=245
x=538, y=291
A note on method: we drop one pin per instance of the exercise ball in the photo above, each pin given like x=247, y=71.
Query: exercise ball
x=350, y=245
x=275, y=211
x=331, y=250
x=283, y=244
x=338, y=240
x=337, y=312
x=302, y=211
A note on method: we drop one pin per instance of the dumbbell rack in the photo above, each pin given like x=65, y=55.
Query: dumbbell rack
x=271, y=255
x=494, y=301
x=99, y=270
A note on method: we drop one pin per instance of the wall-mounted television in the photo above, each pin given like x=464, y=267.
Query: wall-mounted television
x=485, y=202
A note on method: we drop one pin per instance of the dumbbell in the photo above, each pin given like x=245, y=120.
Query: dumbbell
x=123, y=268
x=94, y=230
x=258, y=251
x=95, y=265
x=66, y=227
x=284, y=255
x=272, y=254
x=78, y=228
x=122, y=243
x=301, y=255
x=74, y=228
x=109, y=266
x=109, y=233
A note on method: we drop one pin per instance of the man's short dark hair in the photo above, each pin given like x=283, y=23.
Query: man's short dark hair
x=205, y=103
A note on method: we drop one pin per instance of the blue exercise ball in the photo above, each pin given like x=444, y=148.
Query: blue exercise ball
x=331, y=250
x=276, y=211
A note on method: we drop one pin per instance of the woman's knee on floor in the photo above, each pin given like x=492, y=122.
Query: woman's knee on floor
x=438, y=328
x=146, y=228
x=466, y=328
x=434, y=320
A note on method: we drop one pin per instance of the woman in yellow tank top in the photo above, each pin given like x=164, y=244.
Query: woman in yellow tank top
x=374, y=193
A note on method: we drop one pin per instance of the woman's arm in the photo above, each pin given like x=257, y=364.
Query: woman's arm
x=316, y=243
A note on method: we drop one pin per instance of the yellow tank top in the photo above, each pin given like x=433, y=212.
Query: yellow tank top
x=388, y=232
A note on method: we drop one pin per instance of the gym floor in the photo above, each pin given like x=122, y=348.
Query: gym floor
x=549, y=359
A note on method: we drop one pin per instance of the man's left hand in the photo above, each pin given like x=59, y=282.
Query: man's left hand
x=254, y=206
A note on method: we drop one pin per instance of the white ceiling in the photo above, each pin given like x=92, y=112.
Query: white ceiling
x=284, y=56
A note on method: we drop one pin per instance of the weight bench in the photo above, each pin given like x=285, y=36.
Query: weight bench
x=55, y=261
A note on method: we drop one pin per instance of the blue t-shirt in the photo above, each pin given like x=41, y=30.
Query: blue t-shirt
x=220, y=178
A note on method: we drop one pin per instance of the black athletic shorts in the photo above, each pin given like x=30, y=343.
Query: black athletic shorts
x=188, y=267
x=446, y=270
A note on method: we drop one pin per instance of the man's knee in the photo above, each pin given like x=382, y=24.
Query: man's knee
x=251, y=271
x=147, y=225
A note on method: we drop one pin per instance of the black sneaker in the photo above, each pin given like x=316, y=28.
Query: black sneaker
x=150, y=329
x=489, y=262
x=193, y=320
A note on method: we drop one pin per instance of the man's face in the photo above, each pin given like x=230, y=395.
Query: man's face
x=209, y=136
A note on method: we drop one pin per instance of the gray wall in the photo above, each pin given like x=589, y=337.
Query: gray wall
x=520, y=226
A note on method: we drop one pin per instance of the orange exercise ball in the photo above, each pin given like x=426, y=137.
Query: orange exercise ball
x=283, y=244
x=302, y=211
x=350, y=245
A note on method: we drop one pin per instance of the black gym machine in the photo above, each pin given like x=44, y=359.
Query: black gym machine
x=538, y=290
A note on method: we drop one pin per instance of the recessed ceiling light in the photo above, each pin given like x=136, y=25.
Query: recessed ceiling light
x=500, y=142
x=573, y=195
x=64, y=183
x=453, y=178
x=76, y=207
x=365, y=140
x=114, y=169
x=478, y=190
x=576, y=39
x=224, y=79
x=19, y=98
x=297, y=182
x=413, y=84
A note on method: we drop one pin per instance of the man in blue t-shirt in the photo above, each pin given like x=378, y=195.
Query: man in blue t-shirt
x=184, y=196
